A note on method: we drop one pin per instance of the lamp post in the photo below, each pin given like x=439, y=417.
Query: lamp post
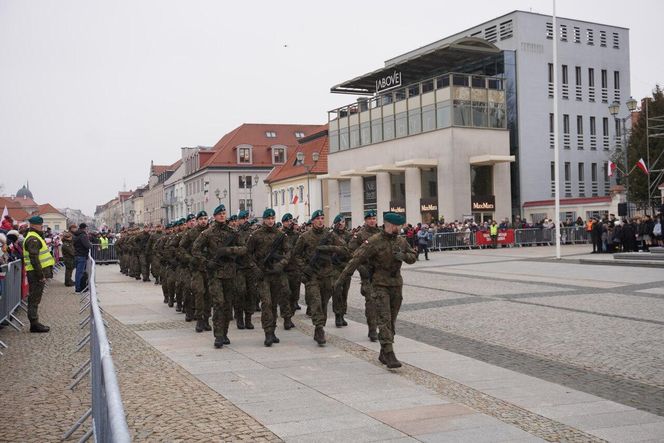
x=252, y=183
x=300, y=161
x=188, y=202
x=614, y=109
x=220, y=194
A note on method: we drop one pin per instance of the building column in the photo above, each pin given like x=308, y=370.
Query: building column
x=383, y=194
x=333, y=206
x=356, y=200
x=413, y=195
x=502, y=191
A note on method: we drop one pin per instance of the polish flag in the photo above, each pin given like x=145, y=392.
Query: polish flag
x=295, y=199
x=5, y=212
x=612, y=167
x=642, y=166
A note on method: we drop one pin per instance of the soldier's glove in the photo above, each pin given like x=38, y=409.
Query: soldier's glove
x=399, y=255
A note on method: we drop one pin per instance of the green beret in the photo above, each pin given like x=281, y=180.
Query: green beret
x=218, y=209
x=370, y=213
x=190, y=216
x=394, y=218
x=182, y=221
x=36, y=220
x=279, y=224
x=269, y=212
x=243, y=214
x=287, y=216
x=317, y=213
x=201, y=214
x=338, y=219
x=232, y=217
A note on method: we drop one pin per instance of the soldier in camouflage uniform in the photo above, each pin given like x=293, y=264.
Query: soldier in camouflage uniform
x=369, y=229
x=383, y=254
x=340, y=297
x=196, y=224
x=198, y=275
x=170, y=256
x=293, y=272
x=268, y=249
x=154, y=253
x=314, y=251
x=68, y=254
x=120, y=252
x=135, y=264
x=216, y=248
x=160, y=258
x=244, y=301
x=144, y=258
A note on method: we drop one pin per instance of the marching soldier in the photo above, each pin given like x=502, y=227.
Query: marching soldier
x=170, y=253
x=267, y=248
x=292, y=271
x=39, y=266
x=384, y=253
x=340, y=297
x=314, y=250
x=245, y=288
x=369, y=229
x=160, y=256
x=216, y=249
x=196, y=224
x=154, y=253
x=144, y=258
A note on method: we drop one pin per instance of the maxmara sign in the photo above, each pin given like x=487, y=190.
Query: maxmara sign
x=389, y=81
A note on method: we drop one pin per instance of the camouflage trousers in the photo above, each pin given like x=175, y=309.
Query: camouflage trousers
x=340, y=298
x=155, y=269
x=318, y=291
x=124, y=262
x=294, y=282
x=35, y=291
x=145, y=266
x=244, y=301
x=135, y=266
x=168, y=285
x=69, y=268
x=202, y=300
x=273, y=289
x=221, y=292
x=388, y=302
x=183, y=294
x=366, y=289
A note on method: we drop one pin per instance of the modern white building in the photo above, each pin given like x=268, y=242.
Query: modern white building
x=510, y=56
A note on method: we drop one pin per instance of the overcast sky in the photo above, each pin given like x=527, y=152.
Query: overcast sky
x=91, y=91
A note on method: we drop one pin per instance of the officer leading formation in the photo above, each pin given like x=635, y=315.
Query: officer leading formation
x=231, y=267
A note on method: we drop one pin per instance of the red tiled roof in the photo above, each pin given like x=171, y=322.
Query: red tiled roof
x=18, y=214
x=175, y=165
x=569, y=201
x=291, y=169
x=158, y=169
x=47, y=208
x=254, y=134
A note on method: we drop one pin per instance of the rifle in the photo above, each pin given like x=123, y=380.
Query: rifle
x=222, y=256
x=318, y=255
x=272, y=256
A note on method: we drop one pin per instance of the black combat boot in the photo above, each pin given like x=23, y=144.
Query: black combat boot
x=288, y=324
x=226, y=340
x=391, y=360
x=219, y=342
x=188, y=316
x=170, y=301
x=297, y=307
x=343, y=321
x=206, y=325
x=200, y=325
x=35, y=326
x=337, y=320
x=146, y=279
x=239, y=320
x=268, y=339
x=247, y=321
x=258, y=306
x=165, y=299
x=275, y=338
x=373, y=335
x=381, y=357
x=156, y=281
x=319, y=335
x=178, y=307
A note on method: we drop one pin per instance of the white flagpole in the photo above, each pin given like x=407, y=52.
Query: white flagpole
x=556, y=147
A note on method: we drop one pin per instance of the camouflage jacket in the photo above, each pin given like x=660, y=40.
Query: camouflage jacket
x=185, y=257
x=293, y=235
x=68, y=252
x=343, y=256
x=141, y=243
x=243, y=234
x=262, y=242
x=361, y=237
x=379, y=255
x=152, y=241
x=216, y=248
x=314, y=252
x=159, y=246
x=171, y=248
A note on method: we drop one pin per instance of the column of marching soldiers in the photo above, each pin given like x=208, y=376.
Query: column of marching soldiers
x=230, y=268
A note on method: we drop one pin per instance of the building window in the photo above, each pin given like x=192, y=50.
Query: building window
x=250, y=205
x=565, y=123
x=590, y=37
x=290, y=195
x=593, y=127
x=605, y=126
x=401, y=124
x=343, y=139
x=443, y=115
x=301, y=192
x=242, y=205
x=605, y=81
x=415, y=121
x=602, y=39
x=377, y=130
x=616, y=40
x=298, y=134
x=354, y=136
x=577, y=34
x=365, y=133
x=579, y=125
x=616, y=79
x=581, y=172
x=428, y=118
x=388, y=127
x=591, y=77
x=244, y=155
x=568, y=171
x=593, y=172
x=270, y=134
x=283, y=197
x=278, y=155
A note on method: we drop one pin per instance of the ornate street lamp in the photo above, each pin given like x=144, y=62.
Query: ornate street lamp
x=300, y=161
x=614, y=109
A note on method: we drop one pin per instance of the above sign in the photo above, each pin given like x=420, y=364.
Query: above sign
x=389, y=81
x=398, y=206
x=483, y=203
x=428, y=205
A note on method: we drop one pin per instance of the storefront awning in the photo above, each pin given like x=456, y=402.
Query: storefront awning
x=418, y=163
x=436, y=60
x=489, y=159
x=356, y=173
x=330, y=177
x=385, y=168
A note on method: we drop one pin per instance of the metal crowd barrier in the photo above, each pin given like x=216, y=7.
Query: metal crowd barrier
x=10, y=296
x=453, y=240
x=534, y=236
x=104, y=256
x=107, y=411
x=572, y=235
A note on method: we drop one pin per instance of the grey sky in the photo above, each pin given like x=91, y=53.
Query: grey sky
x=91, y=91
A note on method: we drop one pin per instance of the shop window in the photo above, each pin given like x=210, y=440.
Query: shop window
x=481, y=180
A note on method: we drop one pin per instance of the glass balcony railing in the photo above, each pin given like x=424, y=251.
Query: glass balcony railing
x=449, y=100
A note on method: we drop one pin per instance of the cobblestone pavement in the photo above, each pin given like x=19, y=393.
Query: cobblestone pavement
x=163, y=402
x=594, y=328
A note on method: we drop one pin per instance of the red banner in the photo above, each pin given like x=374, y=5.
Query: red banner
x=505, y=237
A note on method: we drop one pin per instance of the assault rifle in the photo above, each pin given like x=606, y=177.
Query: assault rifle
x=223, y=256
x=272, y=257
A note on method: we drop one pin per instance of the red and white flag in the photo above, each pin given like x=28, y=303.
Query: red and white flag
x=642, y=166
x=5, y=212
x=295, y=199
x=612, y=168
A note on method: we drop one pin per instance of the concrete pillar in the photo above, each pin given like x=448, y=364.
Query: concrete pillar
x=413, y=195
x=383, y=194
x=334, y=205
x=502, y=191
x=356, y=201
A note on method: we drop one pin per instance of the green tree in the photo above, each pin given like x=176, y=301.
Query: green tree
x=638, y=181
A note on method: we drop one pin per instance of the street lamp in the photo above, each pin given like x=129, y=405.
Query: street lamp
x=251, y=186
x=614, y=109
x=188, y=202
x=220, y=194
x=300, y=161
